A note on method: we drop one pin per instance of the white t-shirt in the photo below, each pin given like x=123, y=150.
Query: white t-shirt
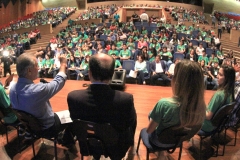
x=159, y=68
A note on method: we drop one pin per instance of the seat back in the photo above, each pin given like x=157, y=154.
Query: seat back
x=222, y=115
x=94, y=137
x=174, y=135
x=128, y=65
x=29, y=121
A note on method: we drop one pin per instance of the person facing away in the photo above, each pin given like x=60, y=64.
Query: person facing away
x=100, y=104
x=185, y=108
x=224, y=95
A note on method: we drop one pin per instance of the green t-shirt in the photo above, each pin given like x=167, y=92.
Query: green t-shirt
x=131, y=45
x=144, y=32
x=77, y=53
x=213, y=60
x=41, y=64
x=125, y=53
x=48, y=63
x=180, y=47
x=9, y=117
x=84, y=65
x=169, y=54
x=215, y=104
x=87, y=52
x=119, y=44
x=117, y=63
x=205, y=58
x=166, y=114
x=110, y=52
x=156, y=46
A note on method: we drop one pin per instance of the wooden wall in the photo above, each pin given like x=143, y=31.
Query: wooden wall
x=18, y=10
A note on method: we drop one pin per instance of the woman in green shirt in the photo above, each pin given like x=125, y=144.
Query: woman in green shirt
x=119, y=43
x=114, y=51
x=185, y=108
x=224, y=95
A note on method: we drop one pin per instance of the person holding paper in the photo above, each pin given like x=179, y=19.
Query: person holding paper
x=100, y=104
x=141, y=69
x=34, y=98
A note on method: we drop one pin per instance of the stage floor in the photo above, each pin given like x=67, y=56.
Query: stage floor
x=145, y=98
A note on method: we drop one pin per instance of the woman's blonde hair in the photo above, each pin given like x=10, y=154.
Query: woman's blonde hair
x=188, y=90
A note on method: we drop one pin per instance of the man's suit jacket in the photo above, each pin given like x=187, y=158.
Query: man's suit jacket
x=100, y=104
x=153, y=66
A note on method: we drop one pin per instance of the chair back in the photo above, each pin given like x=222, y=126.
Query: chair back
x=94, y=137
x=222, y=115
x=29, y=121
x=174, y=135
x=128, y=65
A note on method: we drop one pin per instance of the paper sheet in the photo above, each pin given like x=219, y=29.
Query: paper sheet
x=132, y=74
x=64, y=116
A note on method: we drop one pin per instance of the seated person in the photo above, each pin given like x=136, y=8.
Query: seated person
x=166, y=56
x=141, y=69
x=203, y=57
x=37, y=95
x=224, y=95
x=185, y=108
x=125, y=54
x=181, y=48
x=158, y=69
x=199, y=49
x=114, y=51
x=82, y=71
x=100, y=104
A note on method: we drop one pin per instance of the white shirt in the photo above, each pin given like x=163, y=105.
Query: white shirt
x=199, y=51
x=171, y=69
x=159, y=68
x=53, y=46
x=144, y=16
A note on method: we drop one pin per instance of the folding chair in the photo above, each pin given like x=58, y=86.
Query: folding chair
x=95, y=139
x=34, y=127
x=219, y=120
x=171, y=137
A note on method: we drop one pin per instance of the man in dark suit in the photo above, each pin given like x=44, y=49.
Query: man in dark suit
x=158, y=69
x=100, y=104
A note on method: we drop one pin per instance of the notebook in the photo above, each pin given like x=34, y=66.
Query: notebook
x=64, y=116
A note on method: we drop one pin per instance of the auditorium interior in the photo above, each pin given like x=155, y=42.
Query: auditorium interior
x=145, y=96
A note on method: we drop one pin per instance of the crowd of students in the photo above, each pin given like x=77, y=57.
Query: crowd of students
x=52, y=16
x=126, y=41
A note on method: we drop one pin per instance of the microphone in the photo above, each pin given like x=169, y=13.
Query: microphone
x=43, y=80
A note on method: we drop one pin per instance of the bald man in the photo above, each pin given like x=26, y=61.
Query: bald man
x=100, y=104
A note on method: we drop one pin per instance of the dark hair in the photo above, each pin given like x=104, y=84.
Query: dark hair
x=101, y=70
x=229, y=82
